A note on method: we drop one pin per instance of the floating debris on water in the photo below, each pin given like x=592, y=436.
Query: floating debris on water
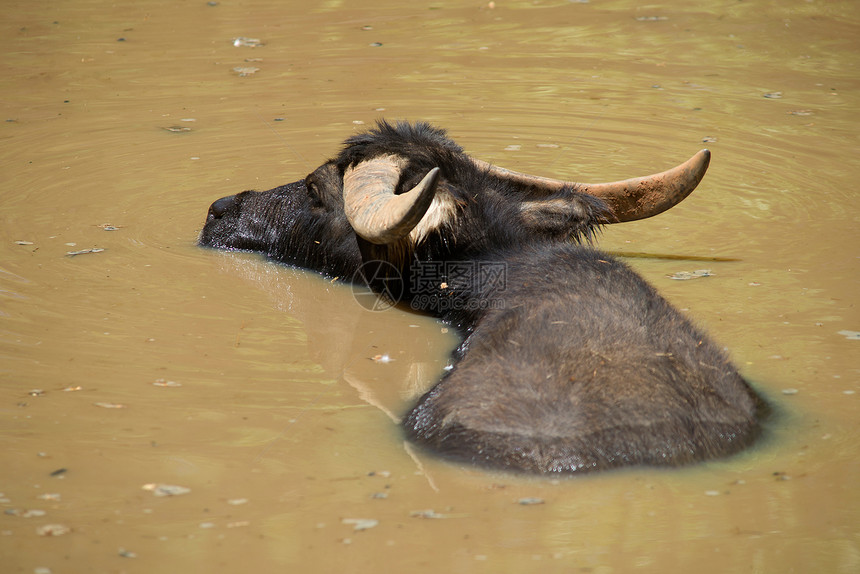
x=127, y=553
x=59, y=473
x=165, y=489
x=530, y=500
x=245, y=71
x=32, y=513
x=36, y=393
x=360, y=523
x=381, y=359
x=84, y=251
x=851, y=335
x=687, y=275
x=23, y=243
x=773, y=95
x=110, y=405
x=243, y=42
x=790, y=391
x=430, y=513
x=177, y=129
x=109, y=227
x=166, y=383
x=237, y=501
x=53, y=530
x=238, y=524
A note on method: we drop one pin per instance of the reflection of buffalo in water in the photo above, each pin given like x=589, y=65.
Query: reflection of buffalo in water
x=571, y=361
x=348, y=343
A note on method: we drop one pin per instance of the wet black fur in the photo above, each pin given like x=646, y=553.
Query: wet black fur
x=573, y=363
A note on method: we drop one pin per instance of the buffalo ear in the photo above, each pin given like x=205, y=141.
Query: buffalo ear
x=564, y=215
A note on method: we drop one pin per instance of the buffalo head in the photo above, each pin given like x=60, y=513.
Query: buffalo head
x=406, y=192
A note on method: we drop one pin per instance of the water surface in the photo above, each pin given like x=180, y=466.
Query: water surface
x=255, y=385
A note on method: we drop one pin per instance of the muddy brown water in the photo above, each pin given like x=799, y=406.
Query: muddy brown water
x=255, y=385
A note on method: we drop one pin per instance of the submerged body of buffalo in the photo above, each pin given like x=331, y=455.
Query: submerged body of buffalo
x=571, y=362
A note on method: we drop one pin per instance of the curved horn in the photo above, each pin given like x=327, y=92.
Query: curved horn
x=371, y=207
x=630, y=199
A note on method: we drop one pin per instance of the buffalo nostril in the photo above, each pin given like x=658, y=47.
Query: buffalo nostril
x=222, y=206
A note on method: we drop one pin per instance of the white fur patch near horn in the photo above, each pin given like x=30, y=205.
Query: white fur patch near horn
x=442, y=211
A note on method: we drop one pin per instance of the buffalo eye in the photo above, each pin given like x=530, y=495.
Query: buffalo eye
x=314, y=193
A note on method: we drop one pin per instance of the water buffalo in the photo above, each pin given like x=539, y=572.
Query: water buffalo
x=570, y=361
